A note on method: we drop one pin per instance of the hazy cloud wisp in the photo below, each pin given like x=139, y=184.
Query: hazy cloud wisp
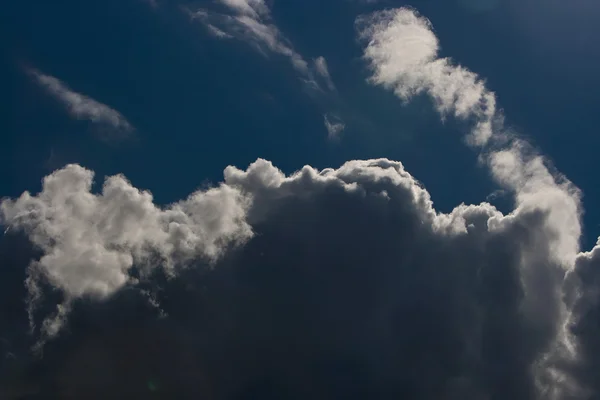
x=80, y=106
x=250, y=20
x=334, y=125
x=323, y=70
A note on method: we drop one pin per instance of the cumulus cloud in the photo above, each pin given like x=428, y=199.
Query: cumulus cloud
x=352, y=286
x=402, y=51
x=80, y=106
x=91, y=241
x=582, y=295
x=333, y=283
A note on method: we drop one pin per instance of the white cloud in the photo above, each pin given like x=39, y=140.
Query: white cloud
x=80, y=106
x=402, y=50
x=204, y=17
x=323, y=71
x=250, y=21
x=468, y=304
x=355, y=259
x=253, y=8
x=334, y=125
x=90, y=241
x=341, y=228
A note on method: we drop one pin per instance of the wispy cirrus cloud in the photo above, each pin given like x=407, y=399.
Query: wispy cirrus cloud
x=80, y=106
x=250, y=21
x=322, y=69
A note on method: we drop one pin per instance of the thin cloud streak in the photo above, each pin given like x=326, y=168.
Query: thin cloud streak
x=251, y=22
x=323, y=70
x=80, y=106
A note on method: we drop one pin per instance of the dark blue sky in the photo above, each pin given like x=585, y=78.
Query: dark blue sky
x=200, y=104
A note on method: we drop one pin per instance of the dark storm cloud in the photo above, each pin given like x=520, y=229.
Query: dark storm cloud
x=352, y=286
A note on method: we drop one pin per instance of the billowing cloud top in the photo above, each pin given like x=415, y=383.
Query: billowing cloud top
x=91, y=241
x=355, y=259
x=333, y=283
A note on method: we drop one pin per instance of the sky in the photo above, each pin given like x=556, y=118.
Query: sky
x=243, y=199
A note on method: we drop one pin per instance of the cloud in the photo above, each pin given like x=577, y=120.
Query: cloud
x=323, y=71
x=351, y=280
x=91, y=241
x=402, y=51
x=250, y=21
x=333, y=283
x=334, y=125
x=253, y=8
x=582, y=295
x=80, y=106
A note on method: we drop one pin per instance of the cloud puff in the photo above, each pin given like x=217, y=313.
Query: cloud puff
x=91, y=241
x=352, y=286
x=402, y=50
x=80, y=106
